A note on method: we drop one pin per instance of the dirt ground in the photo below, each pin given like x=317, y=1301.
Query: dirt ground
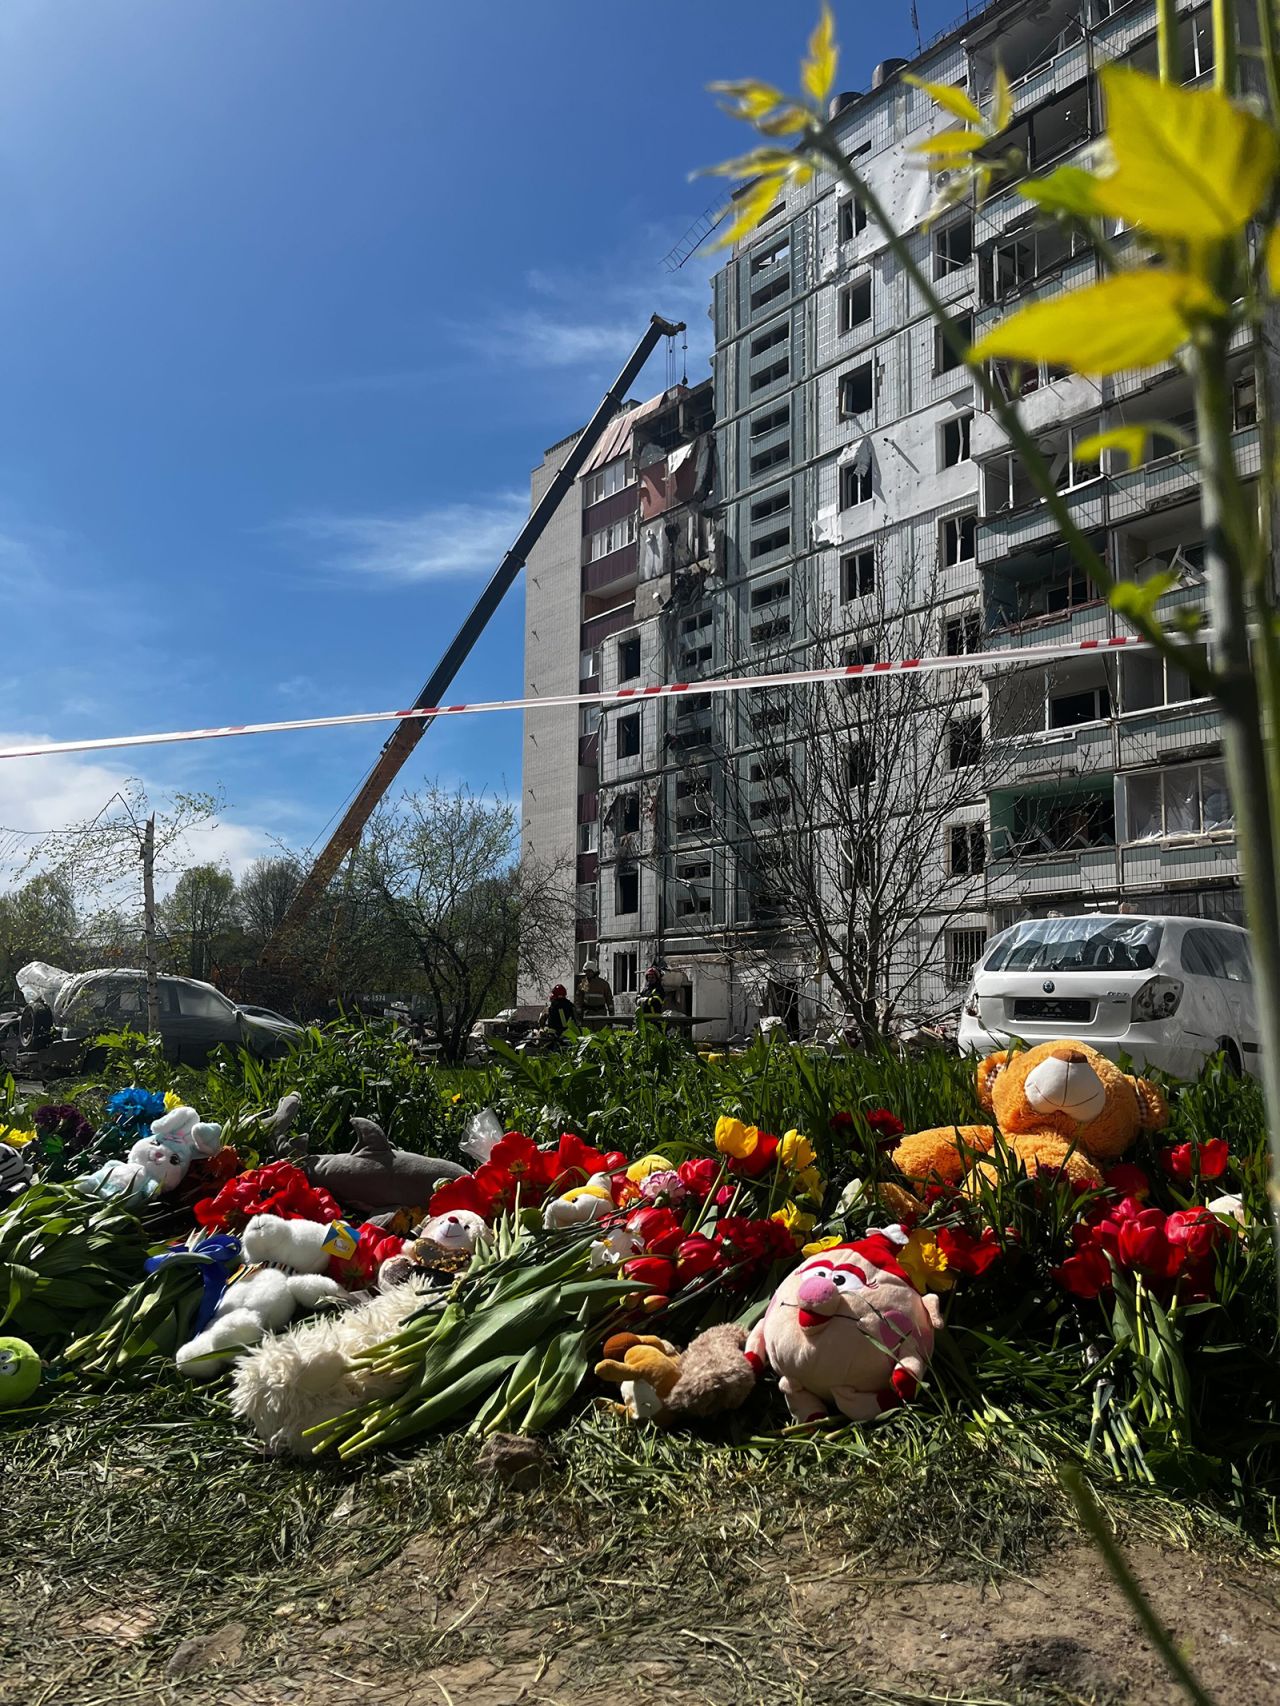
x=810, y=1627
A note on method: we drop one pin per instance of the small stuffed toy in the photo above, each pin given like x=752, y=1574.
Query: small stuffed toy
x=660, y=1384
x=157, y=1163
x=582, y=1205
x=442, y=1246
x=846, y=1329
x=294, y=1380
x=645, y=1368
x=287, y=1259
x=1061, y=1107
x=15, y=1171
x=20, y=1370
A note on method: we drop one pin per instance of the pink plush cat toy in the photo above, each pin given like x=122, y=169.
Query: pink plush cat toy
x=846, y=1330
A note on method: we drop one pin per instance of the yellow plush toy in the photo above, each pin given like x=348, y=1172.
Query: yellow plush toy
x=1061, y=1107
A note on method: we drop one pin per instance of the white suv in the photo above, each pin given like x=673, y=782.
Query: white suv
x=1167, y=992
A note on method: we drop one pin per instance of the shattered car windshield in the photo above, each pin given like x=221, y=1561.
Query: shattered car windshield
x=1077, y=944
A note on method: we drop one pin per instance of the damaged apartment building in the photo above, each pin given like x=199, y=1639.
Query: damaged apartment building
x=858, y=479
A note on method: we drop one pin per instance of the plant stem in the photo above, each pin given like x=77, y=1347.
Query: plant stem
x=1224, y=49
x=1170, y=58
x=1227, y=552
x=1087, y=1507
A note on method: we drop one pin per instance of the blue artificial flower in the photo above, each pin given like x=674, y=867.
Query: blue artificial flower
x=135, y=1106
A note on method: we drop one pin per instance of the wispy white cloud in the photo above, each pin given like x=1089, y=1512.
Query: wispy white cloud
x=443, y=542
x=38, y=795
x=592, y=317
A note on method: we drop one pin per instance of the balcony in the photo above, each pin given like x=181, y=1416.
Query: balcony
x=588, y=865
x=1161, y=865
x=615, y=570
x=1172, y=479
x=597, y=629
x=1009, y=532
x=1094, y=874
x=589, y=749
x=1167, y=734
x=1059, y=73
x=1057, y=754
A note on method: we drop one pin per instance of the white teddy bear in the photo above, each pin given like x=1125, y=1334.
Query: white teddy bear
x=287, y=1260
x=158, y=1162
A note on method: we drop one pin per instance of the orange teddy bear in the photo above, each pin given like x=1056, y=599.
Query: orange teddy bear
x=1060, y=1107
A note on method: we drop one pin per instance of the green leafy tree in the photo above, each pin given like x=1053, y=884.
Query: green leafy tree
x=38, y=921
x=196, y=914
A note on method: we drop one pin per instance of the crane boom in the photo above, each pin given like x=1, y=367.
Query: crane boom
x=407, y=735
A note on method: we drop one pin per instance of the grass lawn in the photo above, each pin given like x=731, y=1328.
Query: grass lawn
x=154, y=1554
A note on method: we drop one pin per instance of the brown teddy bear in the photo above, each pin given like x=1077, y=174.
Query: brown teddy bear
x=1060, y=1107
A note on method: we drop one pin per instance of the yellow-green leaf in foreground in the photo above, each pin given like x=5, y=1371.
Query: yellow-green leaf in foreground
x=949, y=144
x=1068, y=190
x=818, y=72
x=1135, y=319
x=748, y=99
x=1129, y=598
x=750, y=209
x=1188, y=162
x=1273, y=259
x=1001, y=102
x=953, y=100
x=1131, y=441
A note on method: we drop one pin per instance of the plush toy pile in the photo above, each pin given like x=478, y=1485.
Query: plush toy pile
x=359, y=1299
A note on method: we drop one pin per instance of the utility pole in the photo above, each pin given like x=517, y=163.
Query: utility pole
x=149, y=925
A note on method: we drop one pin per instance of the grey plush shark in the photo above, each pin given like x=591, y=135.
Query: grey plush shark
x=373, y=1177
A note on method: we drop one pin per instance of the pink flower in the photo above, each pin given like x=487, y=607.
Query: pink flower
x=664, y=1188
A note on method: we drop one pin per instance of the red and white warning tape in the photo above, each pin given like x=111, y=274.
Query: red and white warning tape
x=619, y=696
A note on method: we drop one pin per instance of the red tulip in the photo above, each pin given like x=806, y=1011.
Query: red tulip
x=760, y=1160
x=697, y=1255
x=965, y=1253
x=1184, y=1160
x=660, y=1229
x=462, y=1193
x=654, y=1273
x=1194, y=1230
x=1127, y=1180
x=1086, y=1273
x=1144, y=1245
x=699, y=1176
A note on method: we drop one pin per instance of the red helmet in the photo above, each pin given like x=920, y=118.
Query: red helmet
x=557, y=992
x=653, y=975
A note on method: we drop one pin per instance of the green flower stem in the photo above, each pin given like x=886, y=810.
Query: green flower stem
x=1019, y=438
x=1224, y=49
x=1087, y=1507
x=1170, y=57
x=1270, y=54
x=1249, y=765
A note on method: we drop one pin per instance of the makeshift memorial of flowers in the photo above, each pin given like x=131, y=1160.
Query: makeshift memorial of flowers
x=822, y=1274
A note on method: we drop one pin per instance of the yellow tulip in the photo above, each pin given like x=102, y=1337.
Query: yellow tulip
x=821, y=1244
x=172, y=1100
x=811, y=1183
x=734, y=1138
x=796, y=1151
x=794, y=1219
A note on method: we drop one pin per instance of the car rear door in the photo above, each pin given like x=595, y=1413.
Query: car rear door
x=203, y=1020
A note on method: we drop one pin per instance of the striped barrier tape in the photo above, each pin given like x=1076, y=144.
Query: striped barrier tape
x=618, y=696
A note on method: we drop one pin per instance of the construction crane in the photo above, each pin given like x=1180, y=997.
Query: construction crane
x=407, y=734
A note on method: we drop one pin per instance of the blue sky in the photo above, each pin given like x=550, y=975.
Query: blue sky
x=294, y=294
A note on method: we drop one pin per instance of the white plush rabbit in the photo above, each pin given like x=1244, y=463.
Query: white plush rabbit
x=287, y=1258
x=158, y=1162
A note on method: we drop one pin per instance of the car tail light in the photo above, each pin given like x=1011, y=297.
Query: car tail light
x=971, y=1005
x=1157, y=999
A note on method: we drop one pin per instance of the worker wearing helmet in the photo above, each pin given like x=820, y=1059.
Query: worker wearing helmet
x=595, y=998
x=558, y=1014
x=652, y=1000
